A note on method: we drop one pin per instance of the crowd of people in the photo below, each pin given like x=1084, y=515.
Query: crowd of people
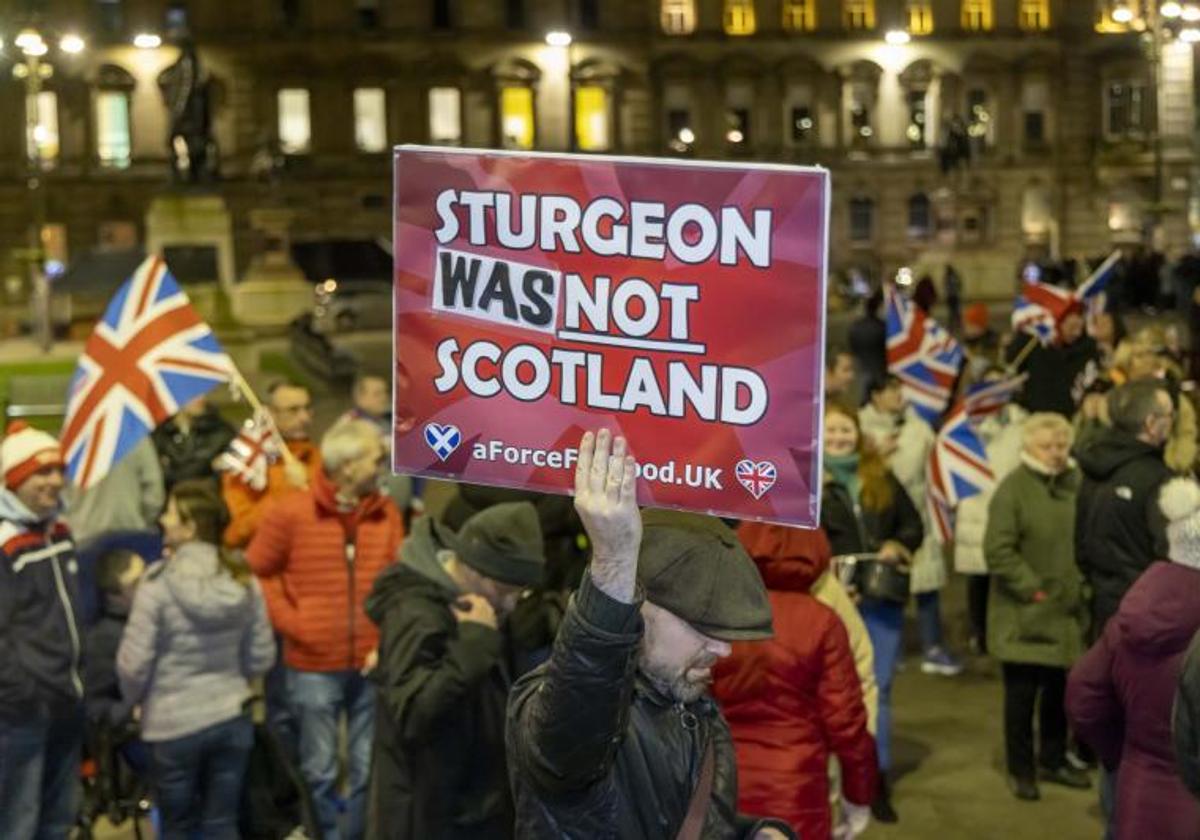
x=533, y=666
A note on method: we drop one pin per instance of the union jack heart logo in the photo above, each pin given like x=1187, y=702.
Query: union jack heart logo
x=756, y=476
x=443, y=440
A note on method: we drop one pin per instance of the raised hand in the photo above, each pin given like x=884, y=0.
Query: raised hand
x=606, y=500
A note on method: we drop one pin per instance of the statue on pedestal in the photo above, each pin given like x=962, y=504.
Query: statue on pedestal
x=186, y=91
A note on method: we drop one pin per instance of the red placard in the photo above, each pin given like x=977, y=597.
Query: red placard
x=679, y=303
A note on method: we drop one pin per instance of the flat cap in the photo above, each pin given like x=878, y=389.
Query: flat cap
x=695, y=567
x=504, y=542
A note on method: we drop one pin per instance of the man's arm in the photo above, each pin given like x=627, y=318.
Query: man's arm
x=567, y=721
x=245, y=509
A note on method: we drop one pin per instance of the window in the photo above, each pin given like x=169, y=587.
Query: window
x=110, y=16
x=977, y=15
x=367, y=12
x=1034, y=15
x=591, y=118
x=442, y=19
x=113, y=146
x=920, y=17
x=1035, y=128
x=803, y=124
x=117, y=236
x=41, y=140
x=175, y=18
x=516, y=117
x=859, y=14
x=861, y=130
x=514, y=14
x=370, y=119
x=920, y=217
x=916, y=118
x=679, y=17
x=295, y=126
x=289, y=11
x=1105, y=22
x=1125, y=108
x=800, y=15
x=862, y=219
x=679, y=130
x=979, y=118
x=739, y=17
x=1035, y=99
x=589, y=15
x=445, y=116
x=737, y=127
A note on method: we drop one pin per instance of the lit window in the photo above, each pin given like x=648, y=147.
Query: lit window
x=862, y=219
x=916, y=119
x=1035, y=99
x=295, y=125
x=977, y=15
x=41, y=141
x=804, y=124
x=516, y=117
x=679, y=17
x=113, y=146
x=1034, y=15
x=445, y=116
x=739, y=17
x=859, y=14
x=1106, y=23
x=370, y=119
x=591, y=118
x=920, y=17
x=1125, y=108
x=800, y=15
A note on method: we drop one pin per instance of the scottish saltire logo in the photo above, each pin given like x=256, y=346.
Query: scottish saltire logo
x=149, y=355
x=442, y=439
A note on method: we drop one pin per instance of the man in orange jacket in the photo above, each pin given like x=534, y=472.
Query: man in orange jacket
x=317, y=554
x=290, y=405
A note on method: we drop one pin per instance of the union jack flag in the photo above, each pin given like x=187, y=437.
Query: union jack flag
x=984, y=399
x=149, y=354
x=922, y=355
x=957, y=469
x=250, y=453
x=1041, y=307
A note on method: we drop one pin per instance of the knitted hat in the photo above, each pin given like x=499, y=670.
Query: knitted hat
x=1179, y=501
x=24, y=451
x=504, y=542
x=976, y=315
x=695, y=567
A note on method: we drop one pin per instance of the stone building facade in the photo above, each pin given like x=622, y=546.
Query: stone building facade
x=1051, y=112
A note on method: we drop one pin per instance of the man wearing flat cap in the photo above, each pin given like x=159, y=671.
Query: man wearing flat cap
x=616, y=736
x=444, y=674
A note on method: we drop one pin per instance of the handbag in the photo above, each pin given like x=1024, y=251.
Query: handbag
x=873, y=577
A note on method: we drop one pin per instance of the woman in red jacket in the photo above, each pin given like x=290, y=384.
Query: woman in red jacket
x=793, y=701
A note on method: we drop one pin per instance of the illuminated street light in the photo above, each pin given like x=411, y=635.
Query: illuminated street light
x=147, y=41
x=1171, y=10
x=558, y=39
x=1190, y=35
x=1190, y=13
x=896, y=37
x=1122, y=14
x=71, y=44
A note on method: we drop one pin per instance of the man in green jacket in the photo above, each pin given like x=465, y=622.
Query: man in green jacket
x=1036, y=611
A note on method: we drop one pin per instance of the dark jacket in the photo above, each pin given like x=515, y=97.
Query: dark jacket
x=187, y=456
x=102, y=699
x=1185, y=719
x=1119, y=527
x=1058, y=375
x=596, y=752
x=40, y=644
x=438, y=766
x=1119, y=700
x=795, y=700
x=852, y=529
x=868, y=344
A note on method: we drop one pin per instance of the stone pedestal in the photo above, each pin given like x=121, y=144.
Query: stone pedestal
x=182, y=219
x=274, y=290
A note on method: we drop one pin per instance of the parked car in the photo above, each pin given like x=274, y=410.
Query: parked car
x=352, y=283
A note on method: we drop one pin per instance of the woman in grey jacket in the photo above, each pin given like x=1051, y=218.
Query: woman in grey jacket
x=197, y=635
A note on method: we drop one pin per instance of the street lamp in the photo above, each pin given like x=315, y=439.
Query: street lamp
x=30, y=68
x=147, y=41
x=897, y=37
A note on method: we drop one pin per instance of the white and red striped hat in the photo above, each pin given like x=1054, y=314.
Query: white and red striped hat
x=25, y=450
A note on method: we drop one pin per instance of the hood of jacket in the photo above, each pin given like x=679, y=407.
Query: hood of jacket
x=1161, y=612
x=789, y=559
x=12, y=509
x=1112, y=451
x=418, y=569
x=206, y=593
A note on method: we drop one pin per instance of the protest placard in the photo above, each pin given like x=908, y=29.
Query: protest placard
x=679, y=303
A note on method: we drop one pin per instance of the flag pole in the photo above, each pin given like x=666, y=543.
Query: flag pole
x=243, y=387
x=1020, y=358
